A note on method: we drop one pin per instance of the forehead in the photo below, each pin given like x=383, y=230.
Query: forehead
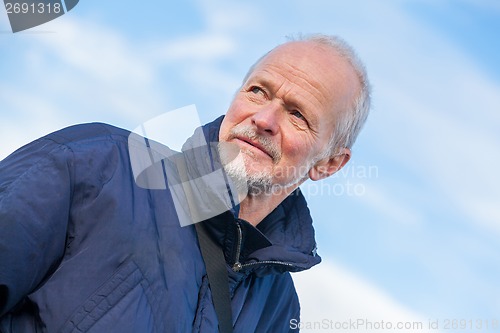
x=311, y=71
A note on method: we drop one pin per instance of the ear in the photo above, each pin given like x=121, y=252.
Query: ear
x=328, y=166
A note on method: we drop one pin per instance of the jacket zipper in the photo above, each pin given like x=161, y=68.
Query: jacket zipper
x=237, y=266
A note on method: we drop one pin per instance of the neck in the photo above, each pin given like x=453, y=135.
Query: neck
x=254, y=208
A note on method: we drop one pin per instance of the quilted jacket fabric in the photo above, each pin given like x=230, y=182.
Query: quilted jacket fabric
x=83, y=248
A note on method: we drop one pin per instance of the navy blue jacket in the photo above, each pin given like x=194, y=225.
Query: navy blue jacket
x=84, y=249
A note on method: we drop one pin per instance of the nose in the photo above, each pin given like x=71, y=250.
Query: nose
x=266, y=119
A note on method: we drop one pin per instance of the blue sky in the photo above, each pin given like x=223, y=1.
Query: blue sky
x=409, y=230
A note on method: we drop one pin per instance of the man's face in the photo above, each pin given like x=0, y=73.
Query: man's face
x=283, y=116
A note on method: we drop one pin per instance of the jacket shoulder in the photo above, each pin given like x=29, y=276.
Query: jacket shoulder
x=81, y=132
x=55, y=150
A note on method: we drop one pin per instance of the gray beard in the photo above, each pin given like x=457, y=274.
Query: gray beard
x=251, y=184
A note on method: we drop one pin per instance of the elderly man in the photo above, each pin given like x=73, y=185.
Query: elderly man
x=83, y=248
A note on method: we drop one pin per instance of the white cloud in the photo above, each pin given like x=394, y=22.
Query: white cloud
x=389, y=205
x=97, y=51
x=229, y=17
x=455, y=157
x=17, y=130
x=436, y=116
x=484, y=210
x=82, y=72
x=85, y=71
x=204, y=47
x=330, y=293
x=486, y=5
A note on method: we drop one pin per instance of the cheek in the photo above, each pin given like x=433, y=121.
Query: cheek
x=228, y=122
x=234, y=115
x=224, y=129
x=295, y=159
x=296, y=149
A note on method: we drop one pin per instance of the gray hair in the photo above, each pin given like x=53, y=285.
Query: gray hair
x=350, y=121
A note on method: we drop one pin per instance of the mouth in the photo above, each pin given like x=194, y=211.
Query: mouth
x=255, y=145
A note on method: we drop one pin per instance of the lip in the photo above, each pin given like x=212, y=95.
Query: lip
x=254, y=144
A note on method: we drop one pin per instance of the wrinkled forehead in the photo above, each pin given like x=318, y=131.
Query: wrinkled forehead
x=321, y=66
x=298, y=49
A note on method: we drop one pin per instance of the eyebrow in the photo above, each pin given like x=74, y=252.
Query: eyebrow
x=266, y=80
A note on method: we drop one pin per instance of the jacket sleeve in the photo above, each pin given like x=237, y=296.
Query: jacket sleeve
x=35, y=194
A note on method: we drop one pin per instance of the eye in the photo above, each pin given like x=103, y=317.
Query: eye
x=299, y=118
x=297, y=114
x=256, y=90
